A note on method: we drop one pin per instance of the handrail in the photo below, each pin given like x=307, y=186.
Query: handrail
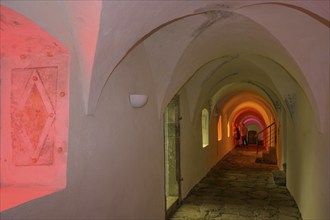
x=269, y=133
x=265, y=128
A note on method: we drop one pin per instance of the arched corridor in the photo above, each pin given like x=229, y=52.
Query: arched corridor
x=75, y=144
x=238, y=188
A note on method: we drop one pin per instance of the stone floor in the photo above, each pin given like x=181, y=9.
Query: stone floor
x=238, y=188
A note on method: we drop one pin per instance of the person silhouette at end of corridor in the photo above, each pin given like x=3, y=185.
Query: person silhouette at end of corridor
x=244, y=131
x=237, y=134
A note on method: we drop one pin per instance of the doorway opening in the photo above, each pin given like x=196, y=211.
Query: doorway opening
x=172, y=156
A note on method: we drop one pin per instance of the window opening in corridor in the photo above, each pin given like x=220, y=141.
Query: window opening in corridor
x=205, y=127
x=220, y=129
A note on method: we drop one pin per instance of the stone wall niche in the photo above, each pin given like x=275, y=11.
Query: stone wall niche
x=34, y=111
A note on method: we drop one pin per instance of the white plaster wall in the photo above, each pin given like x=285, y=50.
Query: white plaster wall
x=134, y=165
x=197, y=161
x=227, y=143
x=308, y=162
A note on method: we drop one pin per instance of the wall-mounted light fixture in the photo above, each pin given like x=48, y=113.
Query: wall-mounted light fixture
x=138, y=100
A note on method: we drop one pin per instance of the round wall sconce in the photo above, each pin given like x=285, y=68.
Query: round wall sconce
x=138, y=100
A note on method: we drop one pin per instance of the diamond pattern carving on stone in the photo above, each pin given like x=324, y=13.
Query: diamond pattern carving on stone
x=33, y=100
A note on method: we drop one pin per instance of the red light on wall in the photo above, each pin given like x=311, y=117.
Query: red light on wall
x=34, y=114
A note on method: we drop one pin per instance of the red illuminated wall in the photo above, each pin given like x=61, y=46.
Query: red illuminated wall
x=34, y=111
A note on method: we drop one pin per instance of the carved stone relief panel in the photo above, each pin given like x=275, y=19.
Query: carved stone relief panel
x=33, y=104
x=34, y=111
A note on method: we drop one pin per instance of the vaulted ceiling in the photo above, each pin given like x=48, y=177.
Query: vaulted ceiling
x=216, y=39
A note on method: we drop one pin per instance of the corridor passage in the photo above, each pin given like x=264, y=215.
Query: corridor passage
x=238, y=188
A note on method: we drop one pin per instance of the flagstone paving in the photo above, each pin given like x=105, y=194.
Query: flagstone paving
x=237, y=188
